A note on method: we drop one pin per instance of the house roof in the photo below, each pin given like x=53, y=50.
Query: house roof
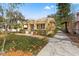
x=42, y=20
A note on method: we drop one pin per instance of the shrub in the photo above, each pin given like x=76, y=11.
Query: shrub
x=1, y=32
x=22, y=31
x=41, y=32
x=53, y=33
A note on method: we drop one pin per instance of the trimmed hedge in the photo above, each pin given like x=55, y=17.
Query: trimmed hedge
x=41, y=32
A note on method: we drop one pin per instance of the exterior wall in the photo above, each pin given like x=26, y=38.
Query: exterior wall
x=77, y=27
x=70, y=26
x=77, y=24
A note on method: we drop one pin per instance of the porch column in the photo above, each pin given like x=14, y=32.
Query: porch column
x=29, y=29
x=35, y=26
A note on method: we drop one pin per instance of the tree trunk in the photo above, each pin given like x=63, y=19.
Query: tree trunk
x=3, y=45
x=66, y=29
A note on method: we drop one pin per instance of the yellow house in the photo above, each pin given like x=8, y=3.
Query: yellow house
x=44, y=25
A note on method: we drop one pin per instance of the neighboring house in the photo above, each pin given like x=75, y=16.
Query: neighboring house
x=70, y=26
x=16, y=27
x=10, y=26
x=2, y=27
x=77, y=23
x=44, y=24
x=73, y=25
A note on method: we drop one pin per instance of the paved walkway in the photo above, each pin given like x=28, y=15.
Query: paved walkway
x=60, y=45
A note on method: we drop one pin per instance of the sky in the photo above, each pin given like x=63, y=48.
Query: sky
x=37, y=10
x=75, y=7
x=40, y=10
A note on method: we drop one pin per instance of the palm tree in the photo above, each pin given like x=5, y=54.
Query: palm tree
x=63, y=13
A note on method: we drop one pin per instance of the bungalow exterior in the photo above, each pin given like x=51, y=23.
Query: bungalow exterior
x=44, y=25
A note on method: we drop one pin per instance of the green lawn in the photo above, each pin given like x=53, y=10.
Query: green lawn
x=24, y=43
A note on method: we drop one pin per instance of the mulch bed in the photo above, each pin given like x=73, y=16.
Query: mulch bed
x=17, y=53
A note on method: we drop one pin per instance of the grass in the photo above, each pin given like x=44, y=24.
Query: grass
x=24, y=43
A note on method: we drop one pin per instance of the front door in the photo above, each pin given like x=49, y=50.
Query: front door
x=32, y=27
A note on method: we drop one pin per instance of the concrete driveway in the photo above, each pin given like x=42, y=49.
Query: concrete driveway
x=60, y=45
